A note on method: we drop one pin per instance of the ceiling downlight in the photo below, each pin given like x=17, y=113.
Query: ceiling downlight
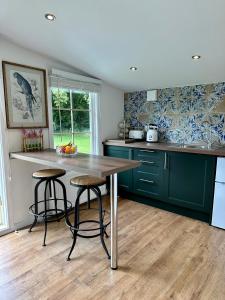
x=133, y=68
x=50, y=17
x=196, y=57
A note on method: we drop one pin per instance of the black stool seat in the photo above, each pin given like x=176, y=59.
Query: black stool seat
x=89, y=183
x=48, y=209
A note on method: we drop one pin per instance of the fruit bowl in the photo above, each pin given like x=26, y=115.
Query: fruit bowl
x=68, y=150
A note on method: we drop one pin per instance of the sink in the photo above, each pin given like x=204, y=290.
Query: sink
x=196, y=146
x=188, y=146
x=175, y=145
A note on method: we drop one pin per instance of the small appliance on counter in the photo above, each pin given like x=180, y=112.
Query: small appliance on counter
x=136, y=134
x=218, y=215
x=152, y=133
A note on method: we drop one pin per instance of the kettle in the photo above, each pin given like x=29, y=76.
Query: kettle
x=152, y=133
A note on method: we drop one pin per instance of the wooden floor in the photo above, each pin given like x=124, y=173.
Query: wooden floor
x=162, y=256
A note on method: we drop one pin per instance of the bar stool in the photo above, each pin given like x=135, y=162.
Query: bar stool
x=89, y=183
x=48, y=214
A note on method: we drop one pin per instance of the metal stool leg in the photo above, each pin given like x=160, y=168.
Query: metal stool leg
x=76, y=221
x=67, y=221
x=106, y=234
x=45, y=211
x=36, y=205
x=74, y=232
x=97, y=191
x=89, y=198
x=55, y=199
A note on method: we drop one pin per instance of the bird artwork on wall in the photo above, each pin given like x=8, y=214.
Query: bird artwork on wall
x=26, y=91
x=25, y=96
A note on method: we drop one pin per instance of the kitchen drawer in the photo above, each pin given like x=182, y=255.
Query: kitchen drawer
x=150, y=166
x=120, y=152
x=148, y=155
x=147, y=184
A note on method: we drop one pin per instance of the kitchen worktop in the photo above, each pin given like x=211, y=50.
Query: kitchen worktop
x=214, y=151
x=96, y=165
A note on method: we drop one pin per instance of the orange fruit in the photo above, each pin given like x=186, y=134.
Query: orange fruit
x=73, y=149
x=68, y=149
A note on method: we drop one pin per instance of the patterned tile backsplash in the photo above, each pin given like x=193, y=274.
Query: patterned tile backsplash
x=185, y=114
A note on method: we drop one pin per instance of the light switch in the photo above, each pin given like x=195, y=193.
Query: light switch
x=152, y=95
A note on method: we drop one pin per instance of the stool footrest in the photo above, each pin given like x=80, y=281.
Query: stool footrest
x=89, y=229
x=51, y=214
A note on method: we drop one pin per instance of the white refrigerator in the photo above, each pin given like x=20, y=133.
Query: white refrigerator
x=218, y=215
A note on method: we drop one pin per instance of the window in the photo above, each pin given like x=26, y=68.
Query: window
x=74, y=118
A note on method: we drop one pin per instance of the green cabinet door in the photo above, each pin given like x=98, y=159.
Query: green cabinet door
x=189, y=180
x=124, y=178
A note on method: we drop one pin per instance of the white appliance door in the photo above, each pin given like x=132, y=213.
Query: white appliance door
x=218, y=216
x=220, y=169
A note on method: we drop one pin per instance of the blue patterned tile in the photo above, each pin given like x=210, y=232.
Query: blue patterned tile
x=164, y=122
x=219, y=88
x=217, y=127
x=180, y=112
x=168, y=100
x=199, y=91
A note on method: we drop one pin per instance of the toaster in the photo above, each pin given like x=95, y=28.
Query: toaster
x=136, y=134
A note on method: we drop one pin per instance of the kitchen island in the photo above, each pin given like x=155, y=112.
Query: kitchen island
x=95, y=165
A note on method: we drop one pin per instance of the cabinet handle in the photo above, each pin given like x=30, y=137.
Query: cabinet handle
x=130, y=154
x=150, y=151
x=165, y=161
x=145, y=180
x=123, y=185
x=147, y=162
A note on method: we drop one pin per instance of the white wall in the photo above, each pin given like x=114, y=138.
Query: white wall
x=21, y=183
x=112, y=111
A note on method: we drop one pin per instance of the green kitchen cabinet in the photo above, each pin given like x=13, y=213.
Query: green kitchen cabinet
x=176, y=181
x=124, y=178
x=148, y=178
x=189, y=180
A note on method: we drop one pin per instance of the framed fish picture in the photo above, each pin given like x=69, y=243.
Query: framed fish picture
x=25, y=96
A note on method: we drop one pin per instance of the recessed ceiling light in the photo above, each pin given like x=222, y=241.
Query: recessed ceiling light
x=50, y=17
x=133, y=68
x=196, y=57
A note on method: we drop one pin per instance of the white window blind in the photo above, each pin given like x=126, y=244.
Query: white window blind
x=74, y=81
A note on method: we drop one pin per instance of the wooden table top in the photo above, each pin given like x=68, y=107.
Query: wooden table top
x=96, y=165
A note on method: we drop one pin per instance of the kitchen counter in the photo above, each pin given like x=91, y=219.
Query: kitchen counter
x=214, y=151
x=96, y=165
x=177, y=179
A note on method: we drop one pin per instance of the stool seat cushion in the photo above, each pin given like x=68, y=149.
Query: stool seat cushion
x=87, y=180
x=48, y=173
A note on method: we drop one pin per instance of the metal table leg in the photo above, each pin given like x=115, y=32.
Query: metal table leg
x=114, y=221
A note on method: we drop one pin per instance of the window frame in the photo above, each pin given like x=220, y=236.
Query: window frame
x=93, y=119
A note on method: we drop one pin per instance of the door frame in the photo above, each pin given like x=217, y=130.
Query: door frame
x=6, y=169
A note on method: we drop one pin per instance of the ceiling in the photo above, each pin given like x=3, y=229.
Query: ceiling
x=104, y=38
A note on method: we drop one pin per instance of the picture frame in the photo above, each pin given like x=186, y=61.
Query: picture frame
x=25, y=90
